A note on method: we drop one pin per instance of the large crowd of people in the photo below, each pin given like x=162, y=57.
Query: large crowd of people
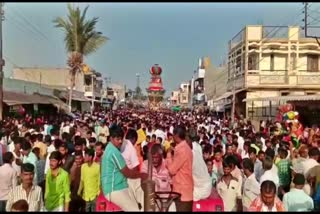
x=68, y=163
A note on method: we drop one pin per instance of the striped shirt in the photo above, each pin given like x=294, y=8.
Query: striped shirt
x=34, y=198
x=161, y=177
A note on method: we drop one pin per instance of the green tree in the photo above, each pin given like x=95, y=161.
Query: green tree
x=81, y=39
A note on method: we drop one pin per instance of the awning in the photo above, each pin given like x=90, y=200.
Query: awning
x=228, y=94
x=225, y=95
x=285, y=98
x=56, y=102
x=14, y=98
x=76, y=95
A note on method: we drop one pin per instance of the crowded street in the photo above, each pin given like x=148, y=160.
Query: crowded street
x=99, y=162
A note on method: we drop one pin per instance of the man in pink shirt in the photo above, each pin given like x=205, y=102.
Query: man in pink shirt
x=180, y=168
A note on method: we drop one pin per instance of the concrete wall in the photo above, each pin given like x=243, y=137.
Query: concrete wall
x=254, y=33
x=49, y=76
x=21, y=86
x=215, y=82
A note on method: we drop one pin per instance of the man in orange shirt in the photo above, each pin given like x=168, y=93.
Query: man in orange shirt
x=180, y=168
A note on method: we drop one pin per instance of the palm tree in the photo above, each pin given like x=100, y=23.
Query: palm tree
x=81, y=39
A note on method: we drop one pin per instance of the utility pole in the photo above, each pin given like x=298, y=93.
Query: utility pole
x=1, y=61
x=306, y=24
x=305, y=19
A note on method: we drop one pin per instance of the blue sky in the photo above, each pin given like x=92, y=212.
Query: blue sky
x=173, y=35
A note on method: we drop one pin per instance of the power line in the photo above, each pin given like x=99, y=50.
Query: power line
x=315, y=19
x=23, y=28
x=19, y=14
x=35, y=30
x=306, y=25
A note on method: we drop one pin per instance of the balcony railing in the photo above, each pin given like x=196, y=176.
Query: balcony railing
x=88, y=88
x=282, y=77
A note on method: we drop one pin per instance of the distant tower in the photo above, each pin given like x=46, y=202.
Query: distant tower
x=138, y=89
x=155, y=89
x=138, y=80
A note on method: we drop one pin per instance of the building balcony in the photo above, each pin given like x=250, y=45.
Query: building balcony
x=275, y=79
x=236, y=83
x=283, y=79
x=88, y=91
x=88, y=88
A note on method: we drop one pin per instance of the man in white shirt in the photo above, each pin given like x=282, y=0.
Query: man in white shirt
x=17, y=154
x=310, y=162
x=160, y=133
x=53, y=147
x=8, y=179
x=129, y=153
x=149, y=131
x=145, y=142
x=202, y=182
x=103, y=132
x=271, y=153
x=269, y=174
x=240, y=142
x=65, y=127
x=251, y=187
x=229, y=189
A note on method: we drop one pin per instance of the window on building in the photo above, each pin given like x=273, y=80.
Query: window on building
x=253, y=61
x=272, y=62
x=311, y=93
x=184, y=98
x=313, y=63
x=87, y=80
x=238, y=64
x=285, y=94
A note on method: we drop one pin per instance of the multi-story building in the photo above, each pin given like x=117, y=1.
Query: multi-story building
x=90, y=84
x=268, y=66
x=174, y=99
x=197, y=82
x=117, y=91
x=184, y=94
